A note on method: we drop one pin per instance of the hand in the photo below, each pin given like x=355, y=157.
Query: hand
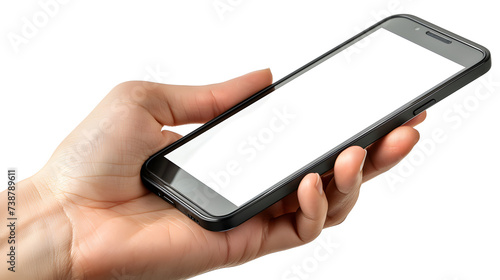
x=86, y=214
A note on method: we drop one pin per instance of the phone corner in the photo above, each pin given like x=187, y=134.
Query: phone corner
x=403, y=15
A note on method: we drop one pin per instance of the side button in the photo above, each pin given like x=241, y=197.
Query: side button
x=166, y=198
x=424, y=107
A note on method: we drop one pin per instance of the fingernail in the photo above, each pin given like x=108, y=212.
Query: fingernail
x=319, y=184
x=363, y=162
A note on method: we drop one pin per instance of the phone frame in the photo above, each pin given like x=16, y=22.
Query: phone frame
x=157, y=171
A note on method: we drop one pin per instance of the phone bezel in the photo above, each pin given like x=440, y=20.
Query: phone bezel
x=214, y=212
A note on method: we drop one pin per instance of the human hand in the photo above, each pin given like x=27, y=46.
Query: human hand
x=87, y=214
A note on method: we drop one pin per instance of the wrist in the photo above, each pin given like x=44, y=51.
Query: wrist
x=42, y=234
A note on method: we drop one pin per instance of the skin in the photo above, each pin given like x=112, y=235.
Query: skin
x=86, y=214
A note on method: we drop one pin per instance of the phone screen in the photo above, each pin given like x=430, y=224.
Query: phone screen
x=305, y=118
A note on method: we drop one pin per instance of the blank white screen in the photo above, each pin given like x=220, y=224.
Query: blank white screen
x=284, y=131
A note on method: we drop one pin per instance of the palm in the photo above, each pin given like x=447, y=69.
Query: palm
x=119, y=227
x=111, y=211
x=145, y=232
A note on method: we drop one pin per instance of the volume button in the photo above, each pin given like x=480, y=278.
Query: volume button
x=424, y=107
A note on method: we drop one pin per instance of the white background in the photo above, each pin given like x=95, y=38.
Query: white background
x=434, y=216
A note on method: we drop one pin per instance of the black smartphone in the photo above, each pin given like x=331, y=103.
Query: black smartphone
x=256, y=153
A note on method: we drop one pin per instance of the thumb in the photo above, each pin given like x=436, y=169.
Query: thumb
x=175, y=104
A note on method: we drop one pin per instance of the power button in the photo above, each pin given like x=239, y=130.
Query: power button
x=424, y=107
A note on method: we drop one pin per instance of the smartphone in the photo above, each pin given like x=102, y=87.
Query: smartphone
x=256, y=153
